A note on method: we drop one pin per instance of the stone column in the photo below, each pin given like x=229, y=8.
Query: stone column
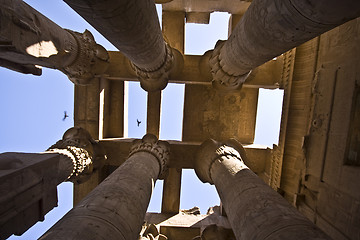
x=254, y=210
x=116, y=208
x=270, y=28
x=28, y=39
x=28, y=180
x=133, y=27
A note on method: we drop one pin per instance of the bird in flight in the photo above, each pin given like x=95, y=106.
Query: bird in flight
x=138, y=122
x=65, y=116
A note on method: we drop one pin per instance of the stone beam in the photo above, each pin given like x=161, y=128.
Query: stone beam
x=172, y=181
x=86, y=115
x=182, y=154
x=196, y=70
x=153, y=113
x=185, y=220
x=111, y=113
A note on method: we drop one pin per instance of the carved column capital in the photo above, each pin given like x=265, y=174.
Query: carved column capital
x=91, y=59
x=223, y=80
x=85, y=153
x=156, y=79
x=211, y=151
x=159, y=149
x=150, y=231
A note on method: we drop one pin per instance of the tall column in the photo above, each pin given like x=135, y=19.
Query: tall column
x=28, y=180
x=270, y=28
x=116, y=208
x=28, y=39
x=254, y=210
x=133, y=27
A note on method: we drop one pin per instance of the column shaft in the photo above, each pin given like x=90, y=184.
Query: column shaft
x=116, y=208
x=270, y=28
x=28, y=181
x=28, y=188
x=133, y=27
x=29, y=39
x=254, y=210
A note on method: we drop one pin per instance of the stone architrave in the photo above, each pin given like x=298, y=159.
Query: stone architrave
x=254, y=210
x=116, y=208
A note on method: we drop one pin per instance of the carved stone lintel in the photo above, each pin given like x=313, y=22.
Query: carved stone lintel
x=83, y=150
x=223, y=80
x=91, y=59
x=159, y=149
x=154, y=80
x=212, y=151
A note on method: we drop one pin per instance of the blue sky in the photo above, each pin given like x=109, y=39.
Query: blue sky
x=32, y=109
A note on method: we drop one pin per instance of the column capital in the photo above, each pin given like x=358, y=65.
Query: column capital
x=85, y=153
x=156, y=79
x=211, y=151
x=91, y=59
x=215, y=232
x=159, y=149
x=223, y=79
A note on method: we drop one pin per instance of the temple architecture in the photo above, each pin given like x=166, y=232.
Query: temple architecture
x=304, y=187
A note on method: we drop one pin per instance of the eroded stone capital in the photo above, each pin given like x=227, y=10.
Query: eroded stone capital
x=214, y=232
x=222, y=79
x=211, y=151
x=156, y=79
x=159, y=149
x=149, y=232
x=91, y=59
x=85, y=153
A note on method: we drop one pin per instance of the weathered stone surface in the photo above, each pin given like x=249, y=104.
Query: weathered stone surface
x=209, y=114
x=117, y=205
x=28, y=180
x=254, y=210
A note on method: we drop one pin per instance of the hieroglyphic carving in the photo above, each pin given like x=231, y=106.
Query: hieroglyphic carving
x=288, y=62
x=277, y=153
x=159, y=149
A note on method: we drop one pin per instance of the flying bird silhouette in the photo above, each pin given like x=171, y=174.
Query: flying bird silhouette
x=65, y=116
x=138, y=122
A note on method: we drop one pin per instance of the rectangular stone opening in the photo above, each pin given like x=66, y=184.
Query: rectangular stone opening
x=194, y=193
x=268, y=117
x=137, y=109
x=156, y=196
x=172, y=112
x=200, y=38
